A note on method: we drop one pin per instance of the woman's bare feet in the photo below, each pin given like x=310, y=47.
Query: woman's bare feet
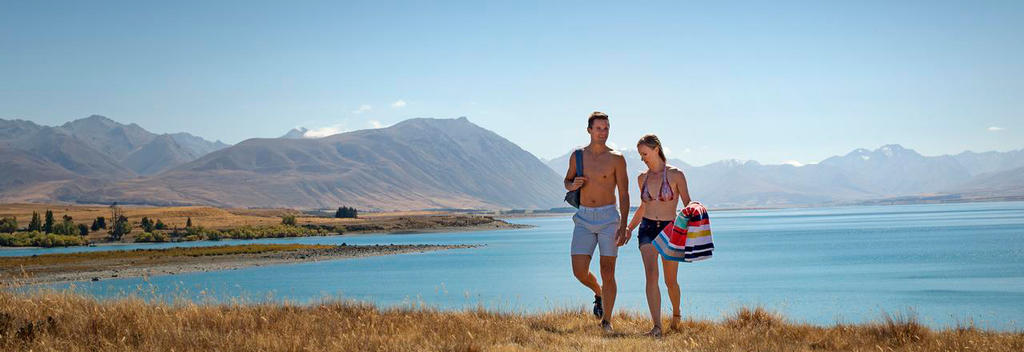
x=676, y=324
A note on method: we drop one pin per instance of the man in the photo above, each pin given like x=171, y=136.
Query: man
x=597, y=221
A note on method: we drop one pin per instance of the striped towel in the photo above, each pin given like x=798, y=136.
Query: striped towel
x=689, y=243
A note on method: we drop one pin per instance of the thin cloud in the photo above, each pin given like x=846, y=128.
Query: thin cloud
x=324, y=131
x=995, y=129
x=362, y=108
x=375, y=124
x=399, y=104
x=793, y=162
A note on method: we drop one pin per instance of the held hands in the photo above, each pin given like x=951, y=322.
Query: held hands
x=622, y=236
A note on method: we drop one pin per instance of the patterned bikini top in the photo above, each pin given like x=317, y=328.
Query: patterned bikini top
x=664, y=194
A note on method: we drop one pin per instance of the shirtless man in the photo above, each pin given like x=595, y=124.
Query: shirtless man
x=597, y=221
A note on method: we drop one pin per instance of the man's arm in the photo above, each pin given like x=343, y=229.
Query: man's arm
x=622, y=183
x=571, y=182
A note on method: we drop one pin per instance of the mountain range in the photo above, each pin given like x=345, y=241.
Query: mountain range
x=416, y=164
x=427, y=163
x=890, y=171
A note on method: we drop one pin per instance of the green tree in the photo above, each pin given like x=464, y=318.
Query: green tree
x=102, y=222
x=346, y=212
x=36, y=224
x=160, y=225
x=83, y=230
x=120, y=228
x=288, y=220
x=65, y=227
x=188, y=223
x=95, y=225
x=147, y=225
x=48, y=225
x=8, y=224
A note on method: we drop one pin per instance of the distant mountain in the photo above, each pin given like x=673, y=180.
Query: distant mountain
x=161, y=153
x=1004, y=183
x=21, y=169
x=99, y=147
x=894, y=170
x=61, y=148
x=416, y=164
x=887, y=172
x=988, y=162
x=197, y=145
x=108, y=136
x=296, y=133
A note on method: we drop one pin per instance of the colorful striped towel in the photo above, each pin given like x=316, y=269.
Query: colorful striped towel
x=688, y=238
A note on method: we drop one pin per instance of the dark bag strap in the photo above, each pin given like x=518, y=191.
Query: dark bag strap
x=579, y=162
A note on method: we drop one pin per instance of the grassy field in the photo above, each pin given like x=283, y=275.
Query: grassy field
x=51, y=321
x=211, y=217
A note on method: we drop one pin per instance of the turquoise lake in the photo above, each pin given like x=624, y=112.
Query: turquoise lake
x=948, y=264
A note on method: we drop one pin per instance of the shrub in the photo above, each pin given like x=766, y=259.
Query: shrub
x=147, y=225
x=288, y=220
x=8, y=224
x=151, y=237
x=39, y=239
x=66, y=228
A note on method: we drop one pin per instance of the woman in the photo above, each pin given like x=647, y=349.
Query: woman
x=657, y=210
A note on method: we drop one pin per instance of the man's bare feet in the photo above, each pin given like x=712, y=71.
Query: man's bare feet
x=676, y=324
x=606, y=326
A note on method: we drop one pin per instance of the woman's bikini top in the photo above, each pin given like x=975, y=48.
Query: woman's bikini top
x=645, y=194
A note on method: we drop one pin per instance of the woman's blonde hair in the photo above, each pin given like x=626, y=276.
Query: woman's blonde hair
x=652, y=141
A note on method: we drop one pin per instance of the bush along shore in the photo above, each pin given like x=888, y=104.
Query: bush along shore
x=65, y=321
x=120, y=228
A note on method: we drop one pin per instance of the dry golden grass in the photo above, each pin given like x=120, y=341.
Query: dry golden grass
x=49, y=321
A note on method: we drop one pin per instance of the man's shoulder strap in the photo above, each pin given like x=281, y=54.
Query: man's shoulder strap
x=579, y=161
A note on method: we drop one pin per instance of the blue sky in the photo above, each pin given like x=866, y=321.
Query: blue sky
x=769, y=81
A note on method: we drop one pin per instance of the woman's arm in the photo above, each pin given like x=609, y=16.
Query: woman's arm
x=682, y=190
x=636, y=218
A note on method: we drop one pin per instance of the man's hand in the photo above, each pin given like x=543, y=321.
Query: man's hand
x=577, y=183
x=622, y=236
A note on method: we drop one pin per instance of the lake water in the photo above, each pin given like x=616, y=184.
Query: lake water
x=949, y=264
